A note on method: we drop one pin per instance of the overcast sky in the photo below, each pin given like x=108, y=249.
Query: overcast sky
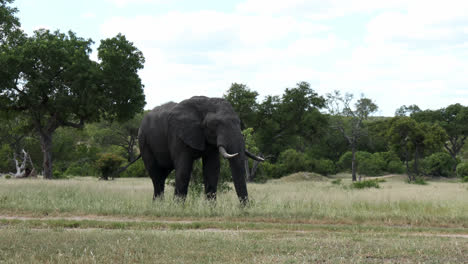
x=394, y=52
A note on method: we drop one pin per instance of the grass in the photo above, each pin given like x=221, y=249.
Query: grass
x=292, y=220
x=397, y=203
x=209, y=246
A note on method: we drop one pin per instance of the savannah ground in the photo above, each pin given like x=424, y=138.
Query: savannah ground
x=298, y=219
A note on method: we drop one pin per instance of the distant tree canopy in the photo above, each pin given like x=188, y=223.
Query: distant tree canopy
x=454, y=120
x=9, y=23
x=52, y=80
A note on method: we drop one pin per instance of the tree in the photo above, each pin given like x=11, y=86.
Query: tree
x=51, y=79
x=411, y=138
x=9, y=23
x=244, y=102
x=454, y=120
x=286, y=121
x=348, y=121
x=407, y=110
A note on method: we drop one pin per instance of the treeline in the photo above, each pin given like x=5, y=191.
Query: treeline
x=64, y=114
x=297, y=131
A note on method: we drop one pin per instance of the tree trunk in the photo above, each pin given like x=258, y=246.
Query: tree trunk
x=247, y=170
x=416, y=163
x=46, y=145
x=253, y=171
x=353, y=163
x=407, y=163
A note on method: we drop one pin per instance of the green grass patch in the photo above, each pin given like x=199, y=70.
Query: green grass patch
x=18, y=245
x=365, y=184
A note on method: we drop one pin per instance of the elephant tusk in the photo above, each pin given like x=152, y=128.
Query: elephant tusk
x=226, y=155
x=254, y=157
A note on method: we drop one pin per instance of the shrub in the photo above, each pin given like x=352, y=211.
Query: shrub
x=57, y=174
x=462, y=171
x=294, y=161
x=393, y=164
x=370, y=164
x=438, y=164
x=418, y=180
x=324, y=167
x=344, y=163
x=366, y=184
x=5, y=158
x=108, y=164
x=395, y=167
x=337, y=181
x=81, y=168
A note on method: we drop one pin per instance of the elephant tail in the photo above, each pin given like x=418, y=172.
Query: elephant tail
x=122, y=169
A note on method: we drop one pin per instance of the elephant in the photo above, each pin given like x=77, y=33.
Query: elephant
x=172, y=136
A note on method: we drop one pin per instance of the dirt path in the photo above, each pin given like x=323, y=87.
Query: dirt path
x=168, y=221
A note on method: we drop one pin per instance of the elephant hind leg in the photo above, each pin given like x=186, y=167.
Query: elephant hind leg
x=158, y=175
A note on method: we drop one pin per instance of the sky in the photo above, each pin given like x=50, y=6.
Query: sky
x=393, y=52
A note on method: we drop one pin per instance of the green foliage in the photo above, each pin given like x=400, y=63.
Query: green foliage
x=285, y=122
x=366, y=163
x=344, y=163
x=336, y=182
x=323, y=166
x=244, y=102
x=462, y=171
x=136, y=170
x=81, y=168
x=57, y=174
x=370, y=164
x=365, y=184
x=5, y=158
x=395, y=167
x=438, y=164
x=108, y=164
x=417, y=180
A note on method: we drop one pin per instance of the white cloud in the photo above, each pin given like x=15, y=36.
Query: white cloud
x=123, y=3
x=409, y=52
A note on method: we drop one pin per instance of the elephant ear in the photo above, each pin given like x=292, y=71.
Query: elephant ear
x=186, y=123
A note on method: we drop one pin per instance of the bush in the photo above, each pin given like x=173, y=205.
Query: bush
x=344, y=163
x=366, y=184
x=108, y=164
x=6, y=165
x=438, y=164
x=370, y=164
x=393, y=164
x=81, y=168
x=324, y=167
x=462, y=171
x=418, y=180
x=294, y=161
x=395, y=167
x=337, y=181
x=57, y=174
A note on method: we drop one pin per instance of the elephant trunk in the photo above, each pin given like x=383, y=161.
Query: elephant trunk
x=234, y=143
x=238, y=178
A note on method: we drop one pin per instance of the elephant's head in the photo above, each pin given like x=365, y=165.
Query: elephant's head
x=201, y=122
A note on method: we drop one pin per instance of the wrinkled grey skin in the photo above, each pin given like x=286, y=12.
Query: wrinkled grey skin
x=173, y=135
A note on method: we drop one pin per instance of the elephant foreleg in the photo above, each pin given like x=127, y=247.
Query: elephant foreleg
x=211, y=169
